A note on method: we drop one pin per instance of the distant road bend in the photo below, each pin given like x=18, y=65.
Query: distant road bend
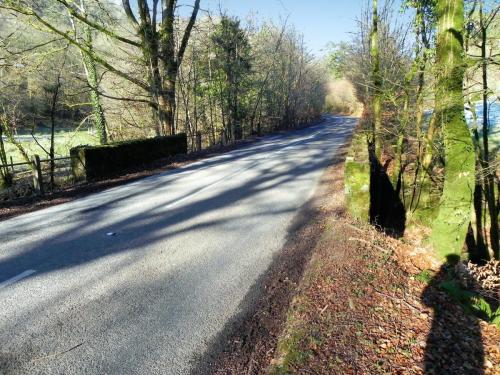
x=139, y=278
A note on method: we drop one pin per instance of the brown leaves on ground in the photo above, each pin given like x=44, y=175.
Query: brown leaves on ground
x=358, y=311
x=483, y=279
x=363, y=307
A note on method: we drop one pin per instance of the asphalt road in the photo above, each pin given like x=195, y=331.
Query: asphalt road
x=138, y=279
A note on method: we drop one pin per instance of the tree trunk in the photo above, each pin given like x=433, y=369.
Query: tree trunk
x=159, y=50
x=53, y=106
x=425, y=142
x=211, y=104
x=95, y=99
x=450, y=226
x=377, y=84
x=163, y=115
x=90, y=67
x=489, y=173
x=478, y=250
x=481, y=251
x=5, y=175
x=170, y=87
x=398, y=154
x=156, y=86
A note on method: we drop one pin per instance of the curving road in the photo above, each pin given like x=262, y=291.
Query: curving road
x=139, y=278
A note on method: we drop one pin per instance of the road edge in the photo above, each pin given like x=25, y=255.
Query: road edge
x=20, y=206
x=251, y=336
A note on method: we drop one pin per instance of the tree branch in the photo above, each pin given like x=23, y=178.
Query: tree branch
x=129, y=13
x=96, y=26
x=187, y=32
x=102, y=62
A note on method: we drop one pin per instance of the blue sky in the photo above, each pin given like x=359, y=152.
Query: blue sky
x=321, y=21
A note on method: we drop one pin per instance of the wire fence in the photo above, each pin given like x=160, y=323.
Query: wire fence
x=36, y=177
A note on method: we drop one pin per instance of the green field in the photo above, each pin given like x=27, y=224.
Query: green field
x=64, y=141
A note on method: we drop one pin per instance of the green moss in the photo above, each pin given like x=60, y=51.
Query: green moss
x=288, y=348
x=471, y=302
x=357, y=178
x=450, y=227
x=425, y=276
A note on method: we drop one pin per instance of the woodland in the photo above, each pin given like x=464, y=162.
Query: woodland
x=99, y=71
x=417, y=165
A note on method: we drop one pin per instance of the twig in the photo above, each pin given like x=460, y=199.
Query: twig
x=399, y=300
x=59, y=353
x=371, y=244
x=353, y=227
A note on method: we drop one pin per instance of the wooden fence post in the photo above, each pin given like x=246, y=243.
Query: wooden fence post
x=37, y=175
x=12, y=164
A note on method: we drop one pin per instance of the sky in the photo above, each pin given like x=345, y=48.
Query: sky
x=321, y=21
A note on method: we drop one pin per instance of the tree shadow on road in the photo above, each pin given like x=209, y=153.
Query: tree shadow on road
x=84, y=243
x=245, y=345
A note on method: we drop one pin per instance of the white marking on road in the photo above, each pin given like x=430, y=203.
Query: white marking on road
x=15, y=279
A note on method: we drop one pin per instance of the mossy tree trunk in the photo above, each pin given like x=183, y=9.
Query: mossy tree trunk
x=450, y=226
x=90, y=66
x=377, y=83
x=95, y=97
x=398, y=154
x=478, y=251
x=357, y=176
x=481, y=250
x=422, y=53
x=54, y=90
x=170, y=65
x=158, y=46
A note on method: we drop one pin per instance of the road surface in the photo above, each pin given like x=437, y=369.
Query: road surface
x=139, y=278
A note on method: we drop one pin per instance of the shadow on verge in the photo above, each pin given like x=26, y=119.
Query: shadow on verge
x=454, y=344
x=386, y=209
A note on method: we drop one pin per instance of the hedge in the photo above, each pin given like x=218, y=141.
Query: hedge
x=100, y=162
